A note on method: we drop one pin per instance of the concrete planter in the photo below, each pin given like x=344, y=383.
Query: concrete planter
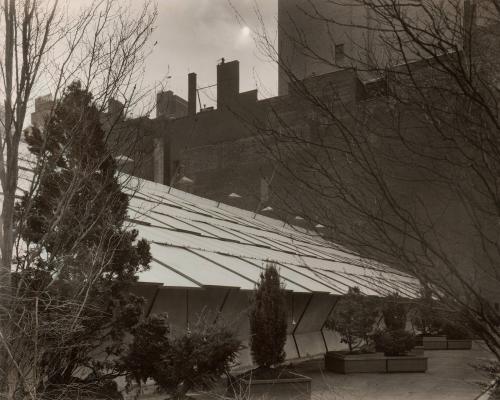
x=408, y=363
x=374, y=363
x=433, y=342
x=443, y=343
x=354, y=363
x=459, y=344
x=298, y=388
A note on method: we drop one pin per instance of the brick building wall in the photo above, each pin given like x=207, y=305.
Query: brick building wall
x=223, y=151
x=237, y=167
x=225, y=156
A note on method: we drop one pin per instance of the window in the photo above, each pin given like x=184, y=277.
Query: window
x=339, y=52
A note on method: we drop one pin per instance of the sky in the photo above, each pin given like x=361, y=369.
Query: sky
x=193, y=35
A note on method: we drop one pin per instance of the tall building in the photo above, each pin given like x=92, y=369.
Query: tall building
x=308, y=46
x=320, y=36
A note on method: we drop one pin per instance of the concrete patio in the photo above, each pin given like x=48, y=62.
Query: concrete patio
x=450, y=375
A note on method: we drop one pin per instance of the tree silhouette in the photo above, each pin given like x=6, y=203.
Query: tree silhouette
x=80, y=258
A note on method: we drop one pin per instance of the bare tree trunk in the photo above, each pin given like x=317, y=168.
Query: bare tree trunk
x=7, y=175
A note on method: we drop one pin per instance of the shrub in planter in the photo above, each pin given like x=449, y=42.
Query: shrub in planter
x=426, y=315
x=353, y=319
x=268, y=329
x=394, y=342
x=456, y=325
x=455, y=331
x=177, y=364
x=458, y=331
x=441, y=327
x=268, y=320
x=394, y=312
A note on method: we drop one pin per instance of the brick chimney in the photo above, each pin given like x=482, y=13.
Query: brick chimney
x=192, y=94
x=228, y=83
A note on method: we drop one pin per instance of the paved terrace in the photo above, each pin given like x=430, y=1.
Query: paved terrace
x=450, y=376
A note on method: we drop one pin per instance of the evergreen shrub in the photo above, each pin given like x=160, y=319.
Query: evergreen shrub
x=268, y=320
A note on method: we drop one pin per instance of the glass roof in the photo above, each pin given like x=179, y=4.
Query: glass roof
x=197, y=242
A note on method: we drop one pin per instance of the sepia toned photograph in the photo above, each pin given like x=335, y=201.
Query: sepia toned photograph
x=249, y=199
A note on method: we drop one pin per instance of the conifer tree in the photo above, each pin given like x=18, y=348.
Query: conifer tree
x=80, y=258
x=193, y=359
x=268, y=320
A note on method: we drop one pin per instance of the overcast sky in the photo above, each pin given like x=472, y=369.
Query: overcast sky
x=192, y=35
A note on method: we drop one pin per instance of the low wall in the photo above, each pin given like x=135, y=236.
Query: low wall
x=307, y=314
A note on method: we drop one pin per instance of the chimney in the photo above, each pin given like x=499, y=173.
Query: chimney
x=228, y=83
x=192, y=94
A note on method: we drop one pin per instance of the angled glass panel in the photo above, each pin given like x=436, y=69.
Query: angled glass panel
x=199, y=269
x=251, y=268
x=311, y=279
x=158, y=273
x=348, y=280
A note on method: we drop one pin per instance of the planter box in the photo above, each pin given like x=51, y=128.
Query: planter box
x=443, y=343
x=374, y=363
x=298, y=387
x=354, y=363
x=459, y=344
x=433, y=342
x=406, y=364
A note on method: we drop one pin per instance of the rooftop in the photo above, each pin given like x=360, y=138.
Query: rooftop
x=197, y=242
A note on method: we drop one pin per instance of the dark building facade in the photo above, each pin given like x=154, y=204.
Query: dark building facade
x=169, y=105
x=321, y=36
x=309, y=47
x=211, y=152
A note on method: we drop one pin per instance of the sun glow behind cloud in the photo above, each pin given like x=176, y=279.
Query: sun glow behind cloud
x=244, y=37
x=192, y=35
